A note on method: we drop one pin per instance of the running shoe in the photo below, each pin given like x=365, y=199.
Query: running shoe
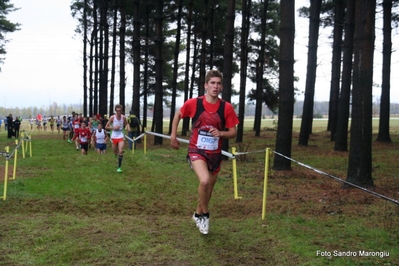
x=119, y=170
x=197, y=220
x=204, y=226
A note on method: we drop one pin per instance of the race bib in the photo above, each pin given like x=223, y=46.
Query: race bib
x=83, y=139
x=206, y=141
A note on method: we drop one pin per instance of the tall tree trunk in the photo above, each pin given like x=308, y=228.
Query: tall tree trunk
x=245, y=26
x=308, y=104
x=383, y=130
x=228, y=59
x=176, y=64
x=122, y=33
x=96, y=58
x=194, y=67
x=196, y=50
x=212, y=35
x=85, y=58
x=186, y=120
x=91, y=70
x=204, y=37
x=146, y=63
x=104, y=102
x=113, y=58
x=104, y=39
x=336, y=66
x=136, y=58
x=260, y=65
x=360, y=156
x=341, y=135
x=286, y=85
x=228, y=51
x=158, y=104
x=100, y=59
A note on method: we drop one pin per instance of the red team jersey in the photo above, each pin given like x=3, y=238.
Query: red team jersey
x=84, y=135
x=201, y=138
x=76, y=125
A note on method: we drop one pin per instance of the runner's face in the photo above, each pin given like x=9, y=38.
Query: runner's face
x=214, y=86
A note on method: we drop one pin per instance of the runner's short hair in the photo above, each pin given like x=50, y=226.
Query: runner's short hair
x=213, y=74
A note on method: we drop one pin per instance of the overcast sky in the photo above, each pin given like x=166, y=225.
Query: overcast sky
x=44, y=59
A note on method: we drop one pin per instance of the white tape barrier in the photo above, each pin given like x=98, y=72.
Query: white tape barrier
x=286, y=157
x=249, y=152
x=339, y=179
x=225, y=153
x=11, y=154
x=135, y=139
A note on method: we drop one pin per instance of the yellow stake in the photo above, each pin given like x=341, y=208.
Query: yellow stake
x=15, y=162
x=234, y=163
x=26, y=146
x=267, y=158
x=23, y=144
x=30, y=145
x=145, y=141
x=6, y=176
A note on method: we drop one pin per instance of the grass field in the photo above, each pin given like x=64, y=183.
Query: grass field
x=68, y=209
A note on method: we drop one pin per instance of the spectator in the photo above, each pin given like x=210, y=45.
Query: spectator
x=104, y=121
x=17, y=125
x=9, y=126
x=134, y=124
